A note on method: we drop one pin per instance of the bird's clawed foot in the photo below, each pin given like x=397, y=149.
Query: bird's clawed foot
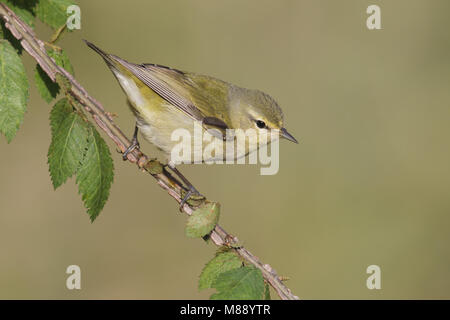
x=191, y=193
x=134, y=144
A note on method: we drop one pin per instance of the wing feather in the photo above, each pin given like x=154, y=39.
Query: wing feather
x=184, y=91
x=161, y=88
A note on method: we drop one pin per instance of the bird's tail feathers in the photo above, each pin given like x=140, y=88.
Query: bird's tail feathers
x=102, y=53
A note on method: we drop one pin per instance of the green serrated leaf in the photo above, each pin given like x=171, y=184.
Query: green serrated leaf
x=95, y=175
x=203, y=220
x=13, y=90
x=7, y=35
x=77, y=147
x=23, y=8
x=46, y=87
x=61, y=59
x=69, y=142
x=59, y=112
x=222, y=262
x=244, y=283
x=25, y=11
x=53, y=12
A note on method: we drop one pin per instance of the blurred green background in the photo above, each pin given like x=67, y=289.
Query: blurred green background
x=368, y=184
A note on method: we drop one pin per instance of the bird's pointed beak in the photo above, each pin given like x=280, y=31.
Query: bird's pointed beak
x=285, y=134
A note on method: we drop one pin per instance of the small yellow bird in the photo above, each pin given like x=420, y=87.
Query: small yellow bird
x=165, y=99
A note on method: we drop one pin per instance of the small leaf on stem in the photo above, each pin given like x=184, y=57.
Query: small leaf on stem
x=244, y=283
x=203, y=220
x=95, y=175
x=53, y=12
x=46, y=87
x=222, y=262
x=13, y=90
x=69, y=142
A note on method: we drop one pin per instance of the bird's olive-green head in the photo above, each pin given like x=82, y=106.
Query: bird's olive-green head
x=257, y=110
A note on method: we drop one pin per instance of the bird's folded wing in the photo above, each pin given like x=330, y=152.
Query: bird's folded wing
x=163, y=89
x=174, y=87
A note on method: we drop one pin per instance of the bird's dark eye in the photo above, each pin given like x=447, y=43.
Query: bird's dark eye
x=260, y=124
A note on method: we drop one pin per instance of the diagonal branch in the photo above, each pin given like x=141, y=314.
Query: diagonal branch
x=219, y=236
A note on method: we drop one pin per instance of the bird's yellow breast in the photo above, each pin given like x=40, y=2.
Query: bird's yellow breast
x=169, y=128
